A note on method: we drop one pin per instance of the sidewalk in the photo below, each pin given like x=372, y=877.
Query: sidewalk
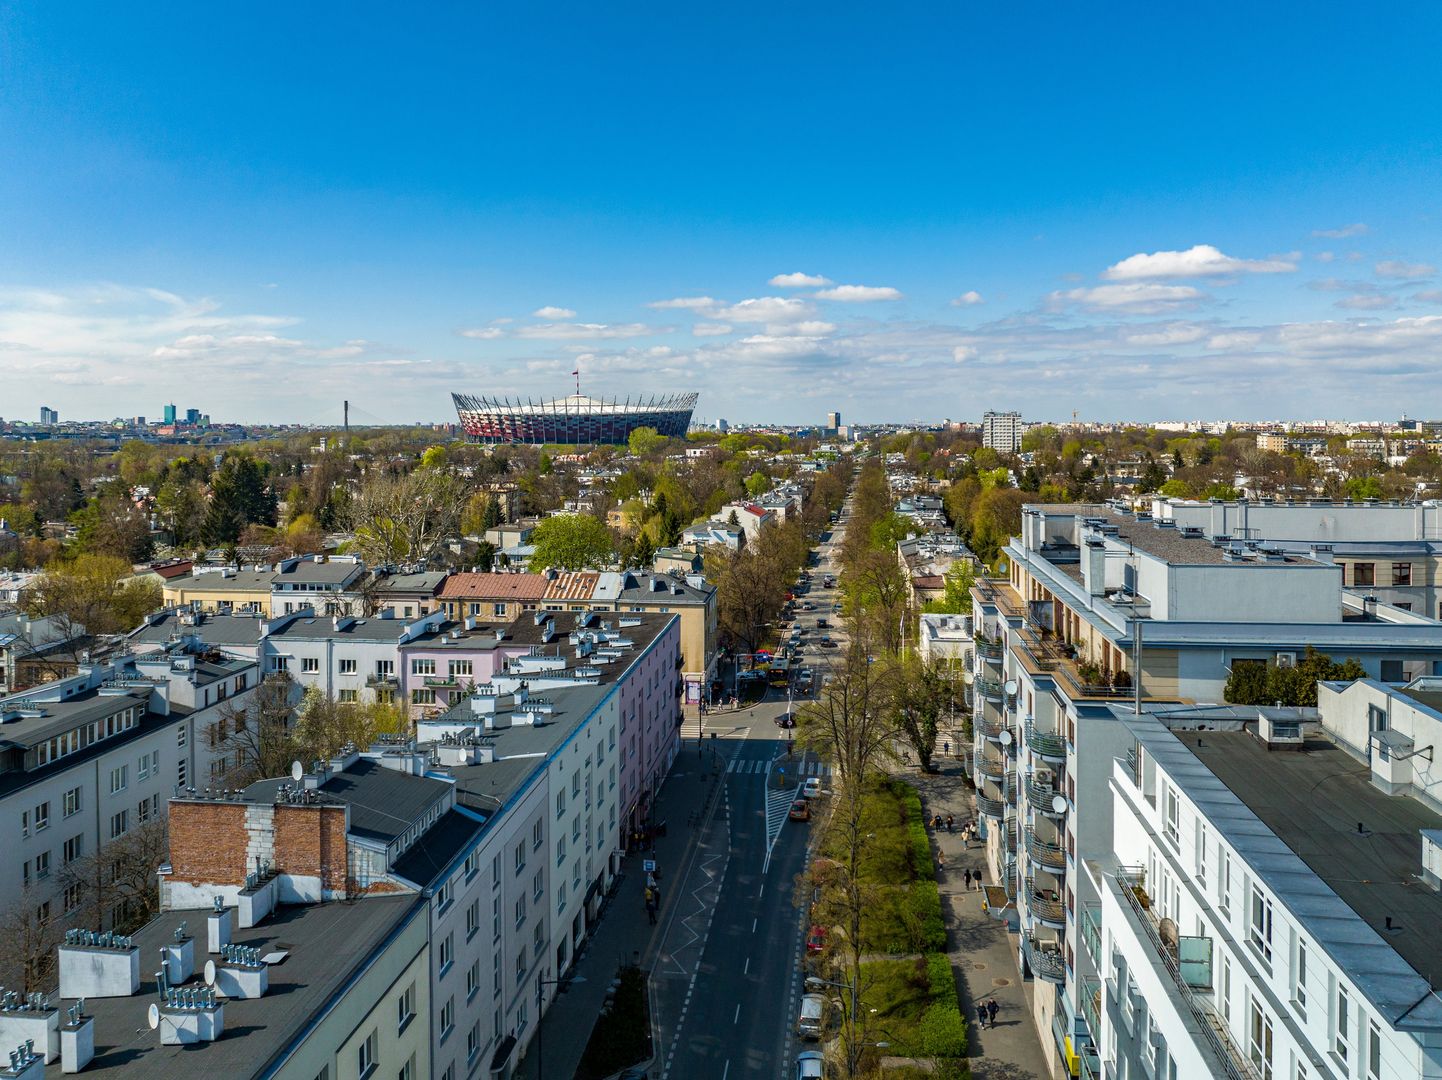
x=623, y=935
x=982, y=952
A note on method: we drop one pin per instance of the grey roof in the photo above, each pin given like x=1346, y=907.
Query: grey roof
x=218, y=630
x=328, y=945
x=424, y=583
x=310, y=572
x=384, y=802
x=437, y=847
x=64, y=715
x=217, y=581
x=636, y=588
x=1292, y=816
x=318, y=628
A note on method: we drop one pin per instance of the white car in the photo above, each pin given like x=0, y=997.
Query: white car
x=810, y=1066
x=812, y=788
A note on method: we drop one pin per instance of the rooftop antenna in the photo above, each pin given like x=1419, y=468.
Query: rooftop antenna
x=577, y=373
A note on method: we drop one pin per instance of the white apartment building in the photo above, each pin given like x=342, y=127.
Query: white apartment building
x=348, y=658
x=1002, y=431
x=1268, y=911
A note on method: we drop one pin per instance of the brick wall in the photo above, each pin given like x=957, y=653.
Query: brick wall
x=310, y=842
x=208, y=843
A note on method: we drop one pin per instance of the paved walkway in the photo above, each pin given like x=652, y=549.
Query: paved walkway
x=982, y=952
x=623, y=935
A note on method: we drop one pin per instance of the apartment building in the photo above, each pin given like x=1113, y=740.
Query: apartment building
x=89, y=759
x=1101, y=607
x=344, y=657
x=1002, y=431
x=332, y=585
x=1269, y=909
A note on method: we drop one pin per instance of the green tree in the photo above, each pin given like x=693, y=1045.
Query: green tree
x=111, y=524
x=644, y=441
x=758, y=484
x=572, y=542
x=956, y=600
x=239, y=496
x=93, y=594
x=1253, y=682
x=1177, y=489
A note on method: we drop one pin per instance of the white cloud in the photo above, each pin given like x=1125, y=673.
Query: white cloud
x=709, y=329
x=798, y=280
x=962, y=353
x=483, y=333
x=765, y=309
x=812, y=328
x=1404, y=271
x=1429, y=296
x=1366, y=301
x=859, y=294
x=685, y=303
x=1355, y=229
x=564, y=331
x=1203, y=260
x=1181, y=333
x=553, y=313
x=1324, y=256
x=967, y=299
x=1138, y=299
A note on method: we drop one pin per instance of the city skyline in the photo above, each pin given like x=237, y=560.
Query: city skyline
x=892, y=218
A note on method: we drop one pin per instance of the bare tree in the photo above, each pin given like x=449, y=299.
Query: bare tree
x=116, y=886
x=29, y=934
x=258, y=738
x=407, y=518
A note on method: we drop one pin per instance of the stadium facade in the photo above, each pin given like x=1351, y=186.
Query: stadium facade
x=575, y=420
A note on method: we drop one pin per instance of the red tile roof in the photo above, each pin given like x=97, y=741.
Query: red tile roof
x=573, y=585
x=494, y=587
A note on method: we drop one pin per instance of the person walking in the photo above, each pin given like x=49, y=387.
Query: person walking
x=950, y=821
x=992, y=1008
x=981, y=1014
x=966, y=877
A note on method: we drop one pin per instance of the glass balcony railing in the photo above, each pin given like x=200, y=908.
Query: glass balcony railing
x=1091, y=931
x=1090, y=993
x=1046, y=962
x=1045, y=744
x=988, y=650
x=1050, y=857
x=1091, y=1064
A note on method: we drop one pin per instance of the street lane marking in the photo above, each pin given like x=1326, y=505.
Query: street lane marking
x=737, y=1018
x=747, y=969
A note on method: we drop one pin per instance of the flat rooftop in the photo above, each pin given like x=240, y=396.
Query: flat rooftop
x=1314, y=800
x=327, y=943
x=218, y=630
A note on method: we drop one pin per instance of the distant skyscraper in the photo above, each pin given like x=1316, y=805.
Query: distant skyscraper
x=1002, y=431
x=170, y=414
x=48, y=416
x=192, y=417
x=721, y=426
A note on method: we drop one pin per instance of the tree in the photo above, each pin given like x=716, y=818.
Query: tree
x=644, y=441
x=258, y=736
x=111, y=524
x=29, y=933
x=90, y=595
x=239, y=497
x=956, y=600
x=923, y=693
x=120, y=877
x=406, y=518
x=180, y=506
x=573, y=542
x=1254, y=682
x=758, y=484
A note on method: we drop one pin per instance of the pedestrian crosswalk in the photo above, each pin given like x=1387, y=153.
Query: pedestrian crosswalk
x=760, y=766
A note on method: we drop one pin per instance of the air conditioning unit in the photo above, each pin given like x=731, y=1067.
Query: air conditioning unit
x=1286, y=659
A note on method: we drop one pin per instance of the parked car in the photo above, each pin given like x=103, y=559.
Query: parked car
x=812, y=788
x=810, y=1065
x=826, y=642
x=816, y=939
x=823, y=623
x=800, y=810
x=811, y=1024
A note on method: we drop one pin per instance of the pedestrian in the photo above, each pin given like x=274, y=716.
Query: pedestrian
x=981, y=1013
x=992, y=1008
x=949, y=822
x=966, y=877
x=940, y=862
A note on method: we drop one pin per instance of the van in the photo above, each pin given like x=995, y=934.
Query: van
x=811, y=1024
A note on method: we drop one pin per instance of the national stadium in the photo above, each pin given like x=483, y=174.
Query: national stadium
x=575, y=420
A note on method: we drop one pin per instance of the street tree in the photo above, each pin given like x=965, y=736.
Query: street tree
x=573, y=542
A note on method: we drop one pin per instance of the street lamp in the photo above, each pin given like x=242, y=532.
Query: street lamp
x=541, y=984
x=814, y=982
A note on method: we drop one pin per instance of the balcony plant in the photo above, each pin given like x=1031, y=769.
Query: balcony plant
x=1089, y=673
x=1122, y=680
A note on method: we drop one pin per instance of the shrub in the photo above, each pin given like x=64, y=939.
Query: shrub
x=943, y=1031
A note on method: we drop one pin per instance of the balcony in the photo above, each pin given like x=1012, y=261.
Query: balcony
x=1091, y=1064
x=1046, y=906
x=383, y=681
x=1091, y=931
x=989, y=651
x=441, y=681
x=990, y=768
x=990, y=689
x=1045, y=963
x=990, y=729
x=992, y=808
x=1045, y=744
x=1048, y=656
x=1090, y=993
x=998, y=591
x=1050, y=857
x=1188, y=976
x=1042, y=795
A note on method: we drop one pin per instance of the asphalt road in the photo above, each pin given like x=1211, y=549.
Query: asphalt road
x=728, y=976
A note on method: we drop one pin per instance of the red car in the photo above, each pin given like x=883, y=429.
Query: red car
x=816, y=939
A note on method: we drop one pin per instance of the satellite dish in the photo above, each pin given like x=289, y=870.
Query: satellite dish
x=1058, y=805
x=1010, y=687
x=1005, y=736
x=152, y=1017
x=210, y=973
x=297, y=771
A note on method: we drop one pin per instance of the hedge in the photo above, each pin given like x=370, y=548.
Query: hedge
x=943, y=1030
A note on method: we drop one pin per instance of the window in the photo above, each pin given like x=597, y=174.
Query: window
x=72, y=849
x=560, y=803
x=1259, y=933
x=180, y=737
x=521, y=966
x=1224, y=989
x=1260, y=1050
x=146, y=809
x=1201, y=855
x=1393, y=671
x=408, y=1070
x=1341, y=1026
x=1224, y=883
x=500, y=609
x=70, y=804
x=119, y=777
x=444, y=895
x=459, y=669
x=1299, y=980
x=473, y=919
x=538, y=940
x=496, y=917
x=538, y=834
x=473, y=1040
x=473, y=979
x=366, y=1055
x=42, y=866
x=495, y=871
x=1374, y=1050
x=72, y=897
x=1401, y=573
x=347, y=667
x=406, y=1008
x=520, y=911
x=42, y=816
x=119, y=824
x=496, y=973
x=346, y=697
x=560, y=849
x=385, y=669
x=1173, y=823
x=560, y=897
x=142, y=770
x=448, y=952
x=420, y=666
x=473, y=865
x=423, y=696
x=520, y=856
x=537, y=885
x=182, y=772
x=448, y=1016
x=1364, y=573
x=309, y=665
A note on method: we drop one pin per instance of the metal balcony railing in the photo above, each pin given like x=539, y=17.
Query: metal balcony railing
x=989, y=728
x=988, y=650
x=1091, y=1064
x=1046, y=744
x=990, y=767
x=1045, y=963
x=1051, y=911
x=382, y=680
x=1234, y=1061
x=1042, y=794
x=1132, y=764
x=441, y=680
x=992, y=808
x=989, y=689
x=1050, y=857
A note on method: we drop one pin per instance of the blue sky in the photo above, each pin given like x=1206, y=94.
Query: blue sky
x=263, y=213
